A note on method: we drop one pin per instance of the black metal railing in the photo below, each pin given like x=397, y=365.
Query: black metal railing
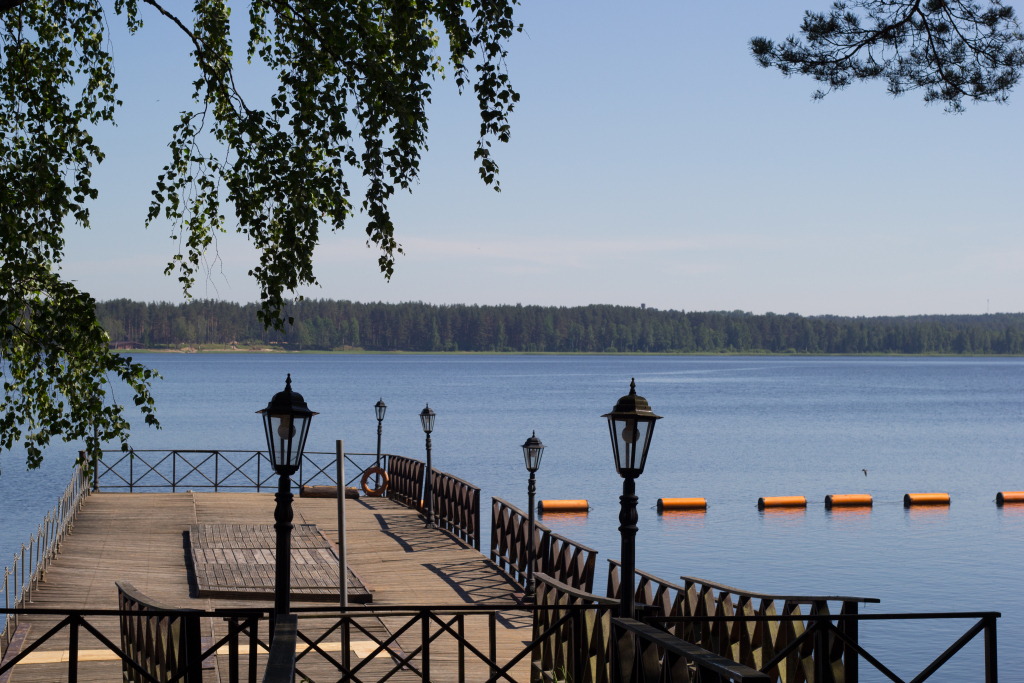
x=217, y=470
x=828, y=635
x=575, y=637
x=144, y=638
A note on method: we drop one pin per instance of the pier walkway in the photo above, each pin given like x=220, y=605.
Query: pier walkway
x=142, y=538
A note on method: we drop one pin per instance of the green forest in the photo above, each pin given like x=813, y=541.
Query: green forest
x=415, y=326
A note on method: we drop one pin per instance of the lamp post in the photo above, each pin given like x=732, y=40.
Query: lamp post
x=533, y=450
x=379, y=408
x=631, y=424
x=427, y=420
x=286, y=423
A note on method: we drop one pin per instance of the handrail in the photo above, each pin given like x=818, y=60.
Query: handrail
x=796, y=599
x=801, y=599
x=555, y=555
x=281, y=661
x=43, y=547
x=653, y=651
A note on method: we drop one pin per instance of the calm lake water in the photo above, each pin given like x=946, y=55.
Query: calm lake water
x=735, y=428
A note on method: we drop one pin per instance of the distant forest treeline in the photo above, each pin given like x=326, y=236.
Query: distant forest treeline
x=328, y=324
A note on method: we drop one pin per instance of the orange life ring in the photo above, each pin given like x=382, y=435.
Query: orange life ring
x=385, y=479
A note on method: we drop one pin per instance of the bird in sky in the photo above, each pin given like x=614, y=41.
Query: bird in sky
x=865, y=472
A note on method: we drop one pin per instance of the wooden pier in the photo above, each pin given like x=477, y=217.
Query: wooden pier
x=143, y=538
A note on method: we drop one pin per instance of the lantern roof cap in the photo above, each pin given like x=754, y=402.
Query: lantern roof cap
x=427, y=411
x=288, y=401
x=533, y=442
x=632, y=405
x=380, y=403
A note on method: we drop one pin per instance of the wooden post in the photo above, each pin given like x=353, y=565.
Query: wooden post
x=339, y=447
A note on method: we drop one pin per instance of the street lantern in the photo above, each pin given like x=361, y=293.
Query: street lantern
x=533, y=450
x=427, y=421
x=286, y=422
x=631, y=424
x=379, y=409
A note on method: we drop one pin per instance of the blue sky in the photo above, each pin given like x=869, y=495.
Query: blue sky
x=651, y=161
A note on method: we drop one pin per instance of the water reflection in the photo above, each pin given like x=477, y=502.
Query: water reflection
x=563, y=520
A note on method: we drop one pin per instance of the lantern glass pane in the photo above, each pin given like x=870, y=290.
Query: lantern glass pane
x=646, y=431
x=532, y=457
x=302, y=430
x=282, y=431
x=380, y=409
x=428, y=422
x=630, y=439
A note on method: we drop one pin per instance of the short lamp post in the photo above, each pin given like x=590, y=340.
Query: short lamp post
x=631, y=424
x=533, y=451
x=286, y=423
x=427, y=420
x=380, y=408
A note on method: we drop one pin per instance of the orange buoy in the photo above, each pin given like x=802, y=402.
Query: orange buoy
x=925, y=499
x=682, y=504
x=563, y=506
x=781, y=502
x=848, y=500
x=1009, y=497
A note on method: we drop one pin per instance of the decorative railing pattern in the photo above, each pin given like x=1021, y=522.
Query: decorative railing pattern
x=557, y=556
x=405, y=480
x=219, y=470
x=574, y=638
x=161, y=646
x=752, y=643
x=456, y=506
x=29, y=567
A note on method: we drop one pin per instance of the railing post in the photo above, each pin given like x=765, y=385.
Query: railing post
x=174, y=471
x=73, y=650
x=254, y=644
x=425, y=651
x=991, y=655
x=461, y=621
x=820, y=649
x=851, y=628
x=492, y=637
x=131, y=471
x=216, y=471
x=233, y=650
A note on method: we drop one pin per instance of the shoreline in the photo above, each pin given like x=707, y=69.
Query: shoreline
x=360, y=351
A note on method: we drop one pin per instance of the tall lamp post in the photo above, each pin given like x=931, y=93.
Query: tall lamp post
x=427, y=420
x=631, y=424
x=379, y=408
x=286, y=423
x=533, y=451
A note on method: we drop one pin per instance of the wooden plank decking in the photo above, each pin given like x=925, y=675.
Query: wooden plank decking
x=142, y=538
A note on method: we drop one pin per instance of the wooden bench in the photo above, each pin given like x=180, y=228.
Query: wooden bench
x=163, y=646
